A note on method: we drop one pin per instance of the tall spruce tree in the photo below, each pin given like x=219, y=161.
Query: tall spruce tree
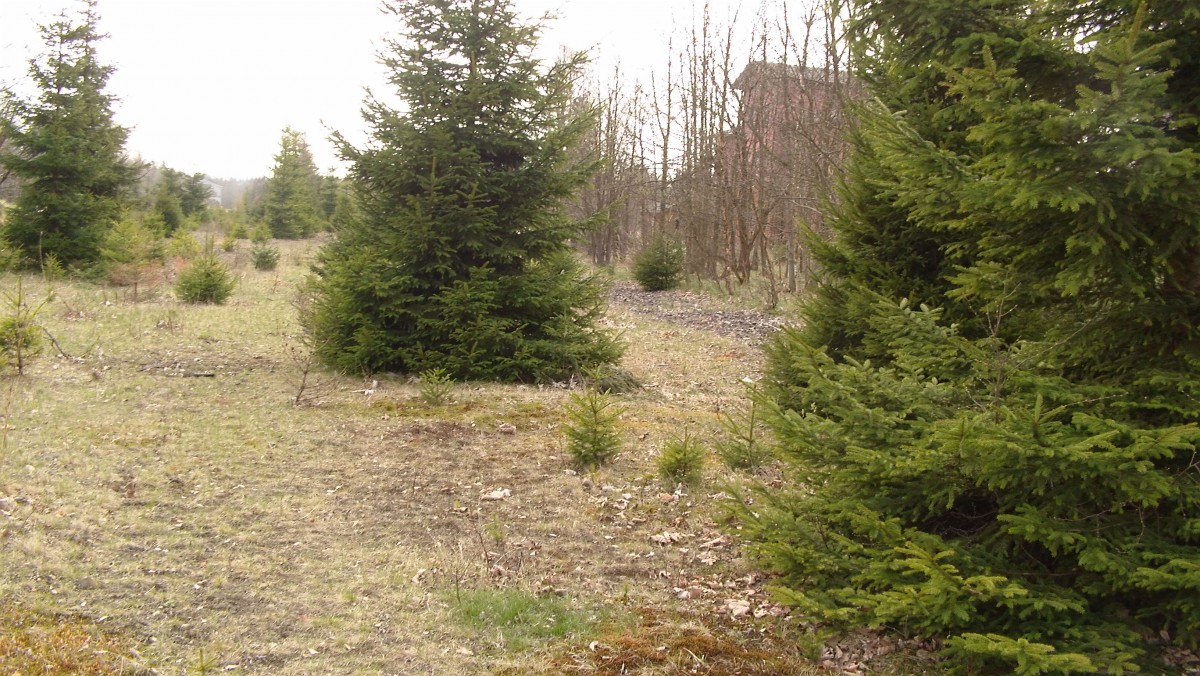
x=291, y=205
x=66, y=149
x=990, y=416
x=459, y=257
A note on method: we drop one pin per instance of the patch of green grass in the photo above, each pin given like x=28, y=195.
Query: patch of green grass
x=521, y=618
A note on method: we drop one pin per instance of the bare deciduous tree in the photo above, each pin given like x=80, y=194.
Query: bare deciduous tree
x=741, y=134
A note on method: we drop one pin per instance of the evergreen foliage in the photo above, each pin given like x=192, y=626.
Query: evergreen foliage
x=292, y=203
x=458, y=254
x=66, y=150
x=682, y=460
x=264, y=256
x=1013, y=468
x=436, y=387
x=131, y=253
x=178, y=197
x=744, y=445
x=592, y=435
x=345, y=208
x=20, y=334
x=658, y=266
x=205, y=280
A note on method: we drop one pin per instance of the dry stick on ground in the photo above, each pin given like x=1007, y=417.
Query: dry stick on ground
x=61, y=351
x=306, y=361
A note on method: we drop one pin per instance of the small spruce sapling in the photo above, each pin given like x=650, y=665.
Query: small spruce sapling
x=20, y=334
x=206, y=280
x=436, y=386
x=659, y=265
x=743, y=446
x=265, y=256
x=592, y=435
x=682, y=460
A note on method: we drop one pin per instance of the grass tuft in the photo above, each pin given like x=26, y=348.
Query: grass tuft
x=521, y=619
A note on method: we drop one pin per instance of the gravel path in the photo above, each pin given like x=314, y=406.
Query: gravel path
x=697, y=311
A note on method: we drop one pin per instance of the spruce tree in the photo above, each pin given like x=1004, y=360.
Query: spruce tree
x=992, y=439
x=291, y=204
x=459, y=257
x=66, y=149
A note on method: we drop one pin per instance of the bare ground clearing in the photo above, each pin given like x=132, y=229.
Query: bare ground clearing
x=160, y=487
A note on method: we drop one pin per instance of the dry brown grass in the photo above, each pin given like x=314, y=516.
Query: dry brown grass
x=162, y=491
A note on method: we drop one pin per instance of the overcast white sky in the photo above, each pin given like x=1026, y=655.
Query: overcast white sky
x=208, y=85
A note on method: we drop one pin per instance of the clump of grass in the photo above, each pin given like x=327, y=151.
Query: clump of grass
x=521, y=618
x=436, y=386
x=591, y=429
x=611, y=379
x=682, y=460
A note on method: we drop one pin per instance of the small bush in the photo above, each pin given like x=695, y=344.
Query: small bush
x=682, y=460
x=592, y=436
x=183, y=245
x=206, y=280
x=52, y=269
x=131, y=255
x=743, y=447
x=265, y=256
x=436, y=386
x=260, y=233
x=228, y=244
x=20, y=339
x=20, y=334
x=10, y=256
x=659, y=265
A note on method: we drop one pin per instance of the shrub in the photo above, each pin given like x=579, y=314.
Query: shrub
x=682, y=460
x=10, y=256
x=20, y=339
x=659, y=265
x=743, y=446
x=206, y=280
x=967, y=489
x=131, y=254
x=183, y=245
x=436, y=386
x=53, y=269
x=265, y=256
x=592, y=435
x=20, y=335
x=260, y=233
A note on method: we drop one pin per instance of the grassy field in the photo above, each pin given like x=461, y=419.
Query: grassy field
x=167, y=506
